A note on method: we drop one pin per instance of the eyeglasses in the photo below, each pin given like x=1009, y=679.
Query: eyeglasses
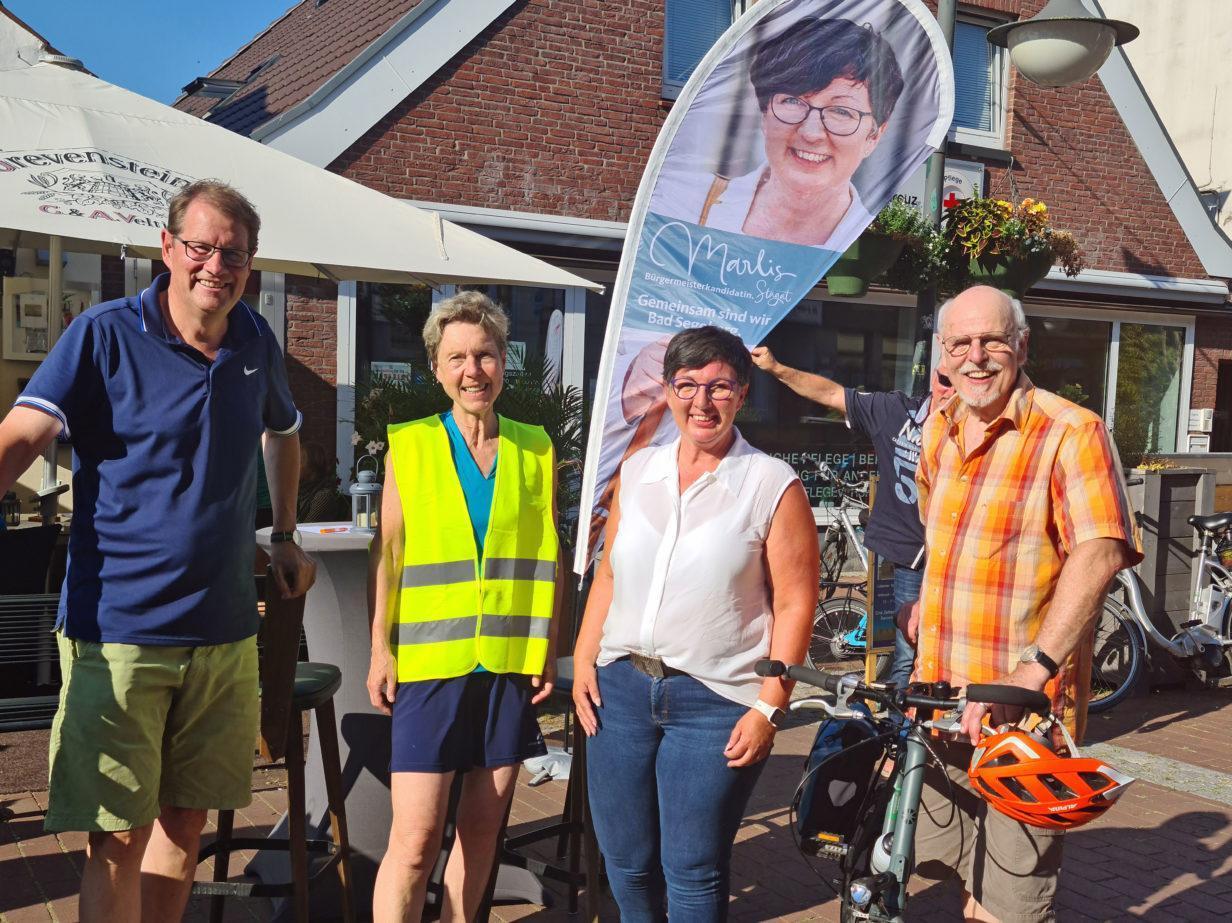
x=959, y=346
x=837, y=120
x=200, y=252
x=719, y=390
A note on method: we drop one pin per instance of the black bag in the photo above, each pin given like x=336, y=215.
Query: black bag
x=840, y=777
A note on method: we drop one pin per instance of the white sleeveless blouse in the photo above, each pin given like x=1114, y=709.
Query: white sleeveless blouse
x=689, y=569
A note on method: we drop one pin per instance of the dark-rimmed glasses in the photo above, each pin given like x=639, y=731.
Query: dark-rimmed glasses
x=200, y=252
x=959, y=346
x=837, y=120
x=719, y=390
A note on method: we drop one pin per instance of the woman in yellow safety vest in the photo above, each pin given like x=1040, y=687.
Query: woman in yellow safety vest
x=464, y=597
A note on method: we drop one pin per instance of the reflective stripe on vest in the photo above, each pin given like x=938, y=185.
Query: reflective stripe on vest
x=450, y=620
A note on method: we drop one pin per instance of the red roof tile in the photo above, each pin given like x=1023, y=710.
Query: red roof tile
x=310, y=43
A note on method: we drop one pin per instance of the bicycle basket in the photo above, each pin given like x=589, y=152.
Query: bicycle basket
x=840, y=774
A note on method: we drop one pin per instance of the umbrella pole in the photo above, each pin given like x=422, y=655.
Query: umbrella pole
x=51, y=487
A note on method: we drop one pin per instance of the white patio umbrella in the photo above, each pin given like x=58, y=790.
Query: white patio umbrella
x=89, y=167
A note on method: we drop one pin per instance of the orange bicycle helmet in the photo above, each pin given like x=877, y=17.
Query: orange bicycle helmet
x=1021, y=776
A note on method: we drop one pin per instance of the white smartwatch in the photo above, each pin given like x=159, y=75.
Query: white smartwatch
x=772, y=713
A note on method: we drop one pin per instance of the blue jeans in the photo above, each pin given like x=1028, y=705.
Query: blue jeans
x=664, y=803
x=906, y=589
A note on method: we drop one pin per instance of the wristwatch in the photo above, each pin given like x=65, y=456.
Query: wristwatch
x=1032, y=654
x=291, y=536
x=772, y=713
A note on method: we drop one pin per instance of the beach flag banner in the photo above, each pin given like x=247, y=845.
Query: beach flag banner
x=792, y=133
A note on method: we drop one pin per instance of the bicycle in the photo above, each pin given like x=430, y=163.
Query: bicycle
x=876, y=854
x=1204, y=642
x=845, y=532
x=840, y=623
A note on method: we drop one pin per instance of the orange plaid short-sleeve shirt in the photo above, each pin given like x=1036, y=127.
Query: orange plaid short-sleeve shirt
x=1000, y=520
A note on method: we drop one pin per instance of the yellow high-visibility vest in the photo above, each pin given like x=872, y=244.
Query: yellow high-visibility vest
x=456, y=611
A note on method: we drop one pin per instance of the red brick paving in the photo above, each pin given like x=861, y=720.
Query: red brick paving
x=1159, y=855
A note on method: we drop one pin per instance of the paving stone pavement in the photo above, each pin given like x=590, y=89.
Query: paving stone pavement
x=1164, y=853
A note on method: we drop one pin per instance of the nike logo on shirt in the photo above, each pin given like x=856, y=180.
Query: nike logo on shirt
x=248, y=371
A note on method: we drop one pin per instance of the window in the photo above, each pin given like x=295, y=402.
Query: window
x=690, y=28
x=860, y=344
x=1133, y=369
x=979, y=86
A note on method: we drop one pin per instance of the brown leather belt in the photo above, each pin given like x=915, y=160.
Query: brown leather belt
x=652, y=666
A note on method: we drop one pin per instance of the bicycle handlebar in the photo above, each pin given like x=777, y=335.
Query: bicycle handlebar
x=981, y=692
x=991, y=694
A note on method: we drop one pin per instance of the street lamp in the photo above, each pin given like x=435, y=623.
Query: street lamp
x=1063, y=45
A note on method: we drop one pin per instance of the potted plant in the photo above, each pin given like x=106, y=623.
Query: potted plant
x=897, y=226
x=1006, y=246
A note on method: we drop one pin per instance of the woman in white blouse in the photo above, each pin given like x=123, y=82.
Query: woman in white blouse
x=712, y=564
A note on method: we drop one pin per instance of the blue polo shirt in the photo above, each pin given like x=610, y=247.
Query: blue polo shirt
x=165, y=453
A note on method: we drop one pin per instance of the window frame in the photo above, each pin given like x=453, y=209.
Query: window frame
x=996, y=136
x=670, y=88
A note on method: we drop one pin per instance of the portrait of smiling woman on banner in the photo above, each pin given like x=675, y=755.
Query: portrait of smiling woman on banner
x=826, y=90
x=793, y=132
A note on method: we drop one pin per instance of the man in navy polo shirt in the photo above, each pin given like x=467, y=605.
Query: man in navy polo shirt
x=893, y=421
x=165, y=398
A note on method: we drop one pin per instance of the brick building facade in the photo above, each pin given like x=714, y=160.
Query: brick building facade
x=535, y=129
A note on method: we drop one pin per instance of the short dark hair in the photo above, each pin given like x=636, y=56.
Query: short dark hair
x=222, y=196
x=811, y=55
x=699, y=346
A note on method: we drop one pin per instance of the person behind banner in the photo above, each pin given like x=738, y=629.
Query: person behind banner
x=464, y=590
x=712, y=564
x=893, y=421
x=826, y=89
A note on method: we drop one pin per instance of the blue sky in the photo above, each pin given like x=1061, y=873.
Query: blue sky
x=153, y=48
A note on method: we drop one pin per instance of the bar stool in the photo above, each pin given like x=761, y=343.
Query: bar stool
x=573, y=831
x=288, y=689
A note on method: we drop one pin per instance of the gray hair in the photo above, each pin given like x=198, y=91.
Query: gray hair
x=1018, y=317
x=467, y=308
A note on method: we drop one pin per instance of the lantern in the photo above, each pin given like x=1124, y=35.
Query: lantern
x=366, y=497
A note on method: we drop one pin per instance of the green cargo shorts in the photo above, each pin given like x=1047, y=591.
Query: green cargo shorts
x=141, y=726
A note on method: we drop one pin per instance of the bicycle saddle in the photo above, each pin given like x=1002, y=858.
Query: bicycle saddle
x=1213, y=523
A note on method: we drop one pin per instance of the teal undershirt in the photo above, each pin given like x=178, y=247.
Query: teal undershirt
x=477, y=488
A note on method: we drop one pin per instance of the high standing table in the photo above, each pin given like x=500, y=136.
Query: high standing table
x=336, y=628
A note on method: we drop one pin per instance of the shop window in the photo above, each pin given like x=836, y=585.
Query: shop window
x=690, y=28
x=859, y=345
x=1148, y=390
x=1069, y=356
x=979, y=85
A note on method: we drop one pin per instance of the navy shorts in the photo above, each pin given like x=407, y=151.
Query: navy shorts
x=480, y=720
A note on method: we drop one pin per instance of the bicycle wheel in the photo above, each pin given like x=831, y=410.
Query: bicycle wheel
x=833, y=559
x=1116, y=657
x=840, y=628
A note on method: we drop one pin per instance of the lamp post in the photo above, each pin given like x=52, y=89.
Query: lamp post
x=1061, y=46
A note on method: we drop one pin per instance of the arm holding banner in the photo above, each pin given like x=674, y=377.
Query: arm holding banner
x=817, y=388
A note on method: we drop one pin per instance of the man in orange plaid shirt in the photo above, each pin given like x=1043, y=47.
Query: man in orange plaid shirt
x=1026, y=522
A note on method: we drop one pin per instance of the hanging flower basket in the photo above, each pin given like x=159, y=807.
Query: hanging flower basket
x=1012, y=274
x=862, y=262
x=1010, y=247
x=897, y=226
